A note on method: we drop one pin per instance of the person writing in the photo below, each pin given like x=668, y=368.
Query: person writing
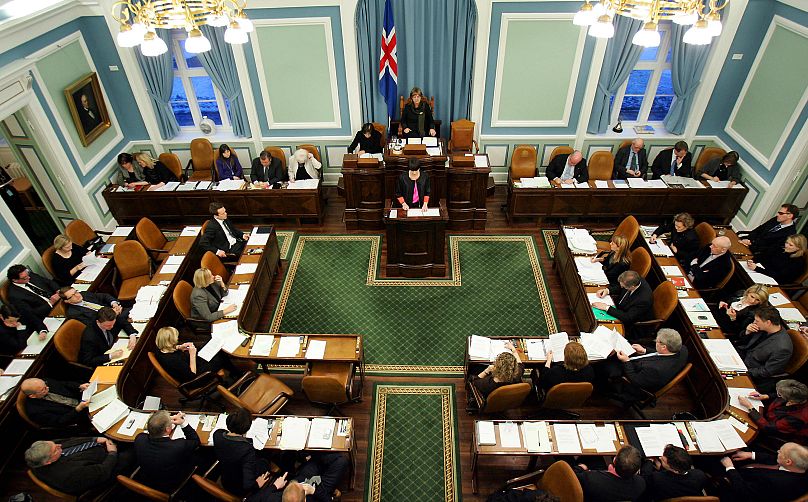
x=130, y=174
x=155, y=172
x=416, y=119
x=568, y=169
x=784, y=265
x=413, y=187
x=266, y=169
x=683, y=241
x=227, y=165
x=724, y=169
x=368, y=139
x=631, y=161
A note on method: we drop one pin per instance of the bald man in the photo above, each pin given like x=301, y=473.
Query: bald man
x=711, y=264
x=631, y=161
x=568, y=168
x=55, y=403
x=784, y=480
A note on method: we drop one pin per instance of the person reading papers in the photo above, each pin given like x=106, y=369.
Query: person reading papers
x=266, y=169
x=785, y=416
x=568, y=168
x=636, y=302
x=99, y=337
x=674, y=161
x=413, y=187
x=180, y=359
x=368, y=139
x=303, y=166
x=507, y=369
x=615, y=261
x=784, y=265
x=206, y=297
x=683, y=240
x=165, y=462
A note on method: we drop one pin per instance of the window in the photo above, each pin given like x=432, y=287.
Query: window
x=193, y=95
x=648, y=92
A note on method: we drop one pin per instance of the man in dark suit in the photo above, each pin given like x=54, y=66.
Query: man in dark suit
x=54, y=403
x=653, y=371
x=163, y=461
x=85, y=306
x=635, y=304
x=316, y=480
x=76, y=465
x=674, y=161
x=631, y=161
x=620, y=482
x=771, y=235
x=221, y=236
x=711, y=264
x=33, y=295
x=766, y=349
x=784, y=481
x=89, y=116
x=98, y=338
x=568, y=168
x=673, y=476
x=266, y=169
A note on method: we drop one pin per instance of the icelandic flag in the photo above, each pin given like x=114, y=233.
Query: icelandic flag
x=388, y=61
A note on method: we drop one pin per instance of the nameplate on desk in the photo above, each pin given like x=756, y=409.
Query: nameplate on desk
x=414, y=213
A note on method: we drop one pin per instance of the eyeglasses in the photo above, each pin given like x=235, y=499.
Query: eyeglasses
x=69, y=297
x=782, y=212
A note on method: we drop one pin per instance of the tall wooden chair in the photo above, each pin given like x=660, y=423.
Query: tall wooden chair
x=153, y=240
x=402, y=102
x=47, y=260
x=706, y=156
x=147, y=492
x=705, y=232
x=260, y=394
x=600, y=165
x=200, y=165
x=172, y=162
x=278, y=153
x=640, y=262
x=462, y=137
x=49, y=489
x=558, y=479
x=67, y=341
x=330, y=384
x=382, y=129
x=523, y=163
x=133, y=267
x=502, y=398
x=214, y=489
x=628, y=228
x=709, y=294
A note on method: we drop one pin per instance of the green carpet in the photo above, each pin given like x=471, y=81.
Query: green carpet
x=417, y=427
x=496, y=287
x=550, y=238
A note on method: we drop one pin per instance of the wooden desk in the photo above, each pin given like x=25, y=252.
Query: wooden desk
x=365, y=195
x=592, y=203
x=191, y=207
x=396, y=163
x=466, y=192
x=416, y=246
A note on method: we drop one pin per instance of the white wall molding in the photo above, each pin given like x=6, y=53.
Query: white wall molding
x=478, y=80
x=19, y=31
x=528, y=137
x=349, y=55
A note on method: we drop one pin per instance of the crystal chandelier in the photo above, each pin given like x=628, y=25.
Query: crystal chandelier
x=703, y=17
x=139, y=20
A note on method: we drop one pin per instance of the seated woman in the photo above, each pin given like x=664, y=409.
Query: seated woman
x=735, y=314
x=724, y=169
x=684, y=242
x=615, y=261
x=416, y=119
x=413, y=187
x=303, y=166
x=368, y=139
x=13, y=335
x=180, y=360
x=786, y=416
x=507, y=369
x=130, y=174
x=227, y=165
x=206, y=297
x=155, y=172
x=66, y=260
x=574, y=369
x=787, y=264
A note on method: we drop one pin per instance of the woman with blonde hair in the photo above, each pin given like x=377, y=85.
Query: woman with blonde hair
x=734, y=315
x=67, y=261
x=507, y=369
x=303, y=166
x=615, y=261
x=575, y=368
x=785, y=265
x=154, y=171
x=180, y=359
x=206, y=297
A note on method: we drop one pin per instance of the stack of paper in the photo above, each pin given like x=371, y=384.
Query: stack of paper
x=485, y=433
x=94, y=267
x=143, y=312
x=295, y=431
x=655, y=184
x=189, y=185
x=235, y=296
x=221, y=423
x=566, y=438
x=257, y=239
x=537, y=182
x=485, y=349
x=672, y=271
x=759, y=278
x=259, y=433
x=556, y=343
x=152, y=294
x=18, y=366
x=790, y=314
x=133, y=422
x=262, y=345
x=717, y=436
x=226, y=185
x=718, y=184
x=379, y=156
x=593, y=298
x=103, y=398
x=681, y=180
x=224, y=335
x=659, y=248
x=8, y=382
x=537, y=437
x=637, y=183
x=591, y=272
x=535, y=349
x=509, y=436
x=597, y=438
x=304, y=184
x=580, y=241
x=321, y=434
x=655, y=437
x=111, y=413
x=414, y=213
x=289, y=346
x=245, y=268
x=169, y=187
x=600, y=343
x=723, y=354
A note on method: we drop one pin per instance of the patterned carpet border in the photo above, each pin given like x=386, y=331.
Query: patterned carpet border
x=455, y=280
x=451, y=457
x=288, y=237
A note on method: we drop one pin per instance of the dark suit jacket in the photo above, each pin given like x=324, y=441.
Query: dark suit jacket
x=664, y=159
x=621, y=158
x=81, y=471
x=638, y=306
x=409, y=118
x=654, y=372
x=271, y=174
x=556, y=168
x=33, y=309
x=329, y=466
x=52, y=414
x=93, y=346
x=373, y=144
x=164, y=462
x=159, y=174
x=782, y=266
x=602, y=486
x=687, y=242
x=756, y=483
x=664, y=484
x=405, y=188
x=765, y=241
x=87, y=315
x=214, y=238
x=711, y=274
x=712, y=167
x=557, y=374
x=13, y=340
x=613, y=271
x=239, y=463
x=766, y=355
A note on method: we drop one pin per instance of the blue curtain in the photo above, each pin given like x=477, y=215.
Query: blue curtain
x=221, y=67
x=158, y=73
x=435, y=45
x=687, y=64
x=618, y=61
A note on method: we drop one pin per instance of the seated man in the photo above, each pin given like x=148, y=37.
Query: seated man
x=55, y=403
x=673, y=162
x=771, y=235
x=99, y=337
x=784, y=483
x=85, y=306
x=13, y=334
x=164, y=461
x=619, y=482
x=568, y=168
x=652, y=372
x=673, y=476
x=266, y=169
x=631, y=161
x=766, y=349
x=636, y=302
x=221, y=236
x=32, y=295
x=315, y=480
x=241, y=468
x=711, y=264
x=76, y=465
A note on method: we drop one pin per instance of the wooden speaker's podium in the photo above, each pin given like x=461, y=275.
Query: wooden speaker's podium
x=363, y=180
x=416, y=245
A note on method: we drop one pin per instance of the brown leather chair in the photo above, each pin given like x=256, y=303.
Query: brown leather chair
x=312, y=149
x=383, y=131
x=153, y=240
x=67, y=341
x=628, y=228
x=212, y=262
x=640, y=262
x=47, y=260
x=81, y=233
x=600, y=165
x=706, y=156
x=216, y=157
x=523, y=162
x=693, y=498
x=200, y=387
x=625, y=144
x=706, y=233
x=172, y=162
x=800, y=354
x=49, y=489
x=558, y=479
x=651, y=399
x=562, y=397
x=214, y=489
x=278, y=153
x=263, y=395
x=709, y=294
x=502, y=398
x=147, y=492
x=133, y=266
x=560, y=150
x=201, y=164
x=4, y=291
x=798, y=286
x=462, y=137
x=182, y=302
x=665, y=301
x=330, y=384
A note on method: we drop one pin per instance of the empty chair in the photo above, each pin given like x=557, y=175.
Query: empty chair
x=182, y=302
x=199, y=388
x=382, y=131
x=523, y=162
x=147, y=492
x=558, y=479
x=502, y=398
x=67, y=341
x=212, y=262
x=81, y=233
x=640, y=262
x=262, y=394
x=665, y=301
x=601, y=165
x=649, y=399
x=330, y=384
x=462, y=137
x=706, y=233
x=312, y=149
x=799, y=356
x=153, y=239
x=628, y=228
x=172, y=162
x=133, y=267
x=560, y=150
x=561, y=397
x=201, y=164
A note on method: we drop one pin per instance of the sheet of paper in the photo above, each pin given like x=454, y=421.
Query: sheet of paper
x=122, y=231
x=151, y=403
x=121, y=344
x=433, y=151
x=257, y=239
x=790, y=314
x=535, y=349
x=393, y=213
x=203, y=185
x=740, y=426
x=509, y=436
x=651, y=443
x=432, y=211
x=727, y=434
x=607, y=435
x=316, y=349
x=593, y=297
x=289, y=346
x=189, y=185
x=601, y=184
x=150, y=294
x=582, y=185
x=175, y=259
x=707, y=438
x=103, y=398
x=91, y=273
x=246, y=268
x=778, y=299
x=192, y=420
x=190, y=231
x=259, y=433
x=760, y=278
x=35, y=345
x=8, y=382
x=227, y=332
x=18, y=366
x=227, y=185
x=702, y=319
x=537, y=437
x=596, y=346
x=590, y=272
x=304, y=184
x=557, y=342
x=671, y=271
x=655, y=184
x=479, y=347
x=294, y=432
x=668, y=434
x=718, y=184
x=588, y=436
x=211, y=349
x=429, y=141
x=262, y=345
x=221, y=423
x=143, y=311
x=694, y=304
x=111, y=413
x=566, y=438
x=485, y=433
x=53, y=323
x=168, y=269
x=736, y=392
x=321, y=434
x=134, y=421
x=481, y=161
x=620, y=344
x=91, y=389
x=659, y=248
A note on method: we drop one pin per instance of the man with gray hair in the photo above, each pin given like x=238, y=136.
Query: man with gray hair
x=568, y=168
x=633, y=303
x=631, y=161
x=785, y=481
x=165, y=462
x=711, y=264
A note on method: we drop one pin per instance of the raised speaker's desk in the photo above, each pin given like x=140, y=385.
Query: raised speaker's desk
x=416, y=245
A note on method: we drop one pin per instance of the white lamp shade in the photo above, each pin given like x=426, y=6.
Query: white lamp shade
x=127, y=37
x=235, y=35
x=648, y=36
x=153, y=45
x=585, y=16
x=698, y=34
x=599, y=9
x=218, y=20
x=603, y=28
x=686, y=19
x=196, y=42
x=714, y=25
x=245, y=24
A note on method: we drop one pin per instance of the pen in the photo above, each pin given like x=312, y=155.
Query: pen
x=682, y=437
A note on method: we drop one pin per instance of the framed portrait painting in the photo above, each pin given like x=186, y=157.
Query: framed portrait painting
x=87, y=107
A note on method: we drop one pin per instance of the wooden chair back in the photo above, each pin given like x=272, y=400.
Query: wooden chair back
x=383, y=131
x=706, y=156
x=67, y=339
x=212, y=262
x=150, y=235
x=49, y=489
x=706, y=233
x=4, y=291
x=560, y=150
x=182, y=298
x=567, y=395
x=560, y=480
x=675, y=381
x=800, y=354
x=523, y=162
x=506, y=397
x=324, y=389
x=462, y=137
x=131, y=259
x=47, y=260
x=600, y=165
x=202, y=160
x=665, y=300
x=624, y=144
x=79, y=232
x=21, y=400
x=278, y=153
x=213, y=489
x=312, y=149
x=172, y=162
x=142, y=490
x=640, y=262
x=628, y=228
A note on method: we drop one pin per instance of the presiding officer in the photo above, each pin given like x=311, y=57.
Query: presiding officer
x=416, y=119
x=413, y=187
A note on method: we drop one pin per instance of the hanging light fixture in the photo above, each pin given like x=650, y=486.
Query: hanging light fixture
x=138, y=20
x=603, y=27
x=648, y=36
x=698, y=34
